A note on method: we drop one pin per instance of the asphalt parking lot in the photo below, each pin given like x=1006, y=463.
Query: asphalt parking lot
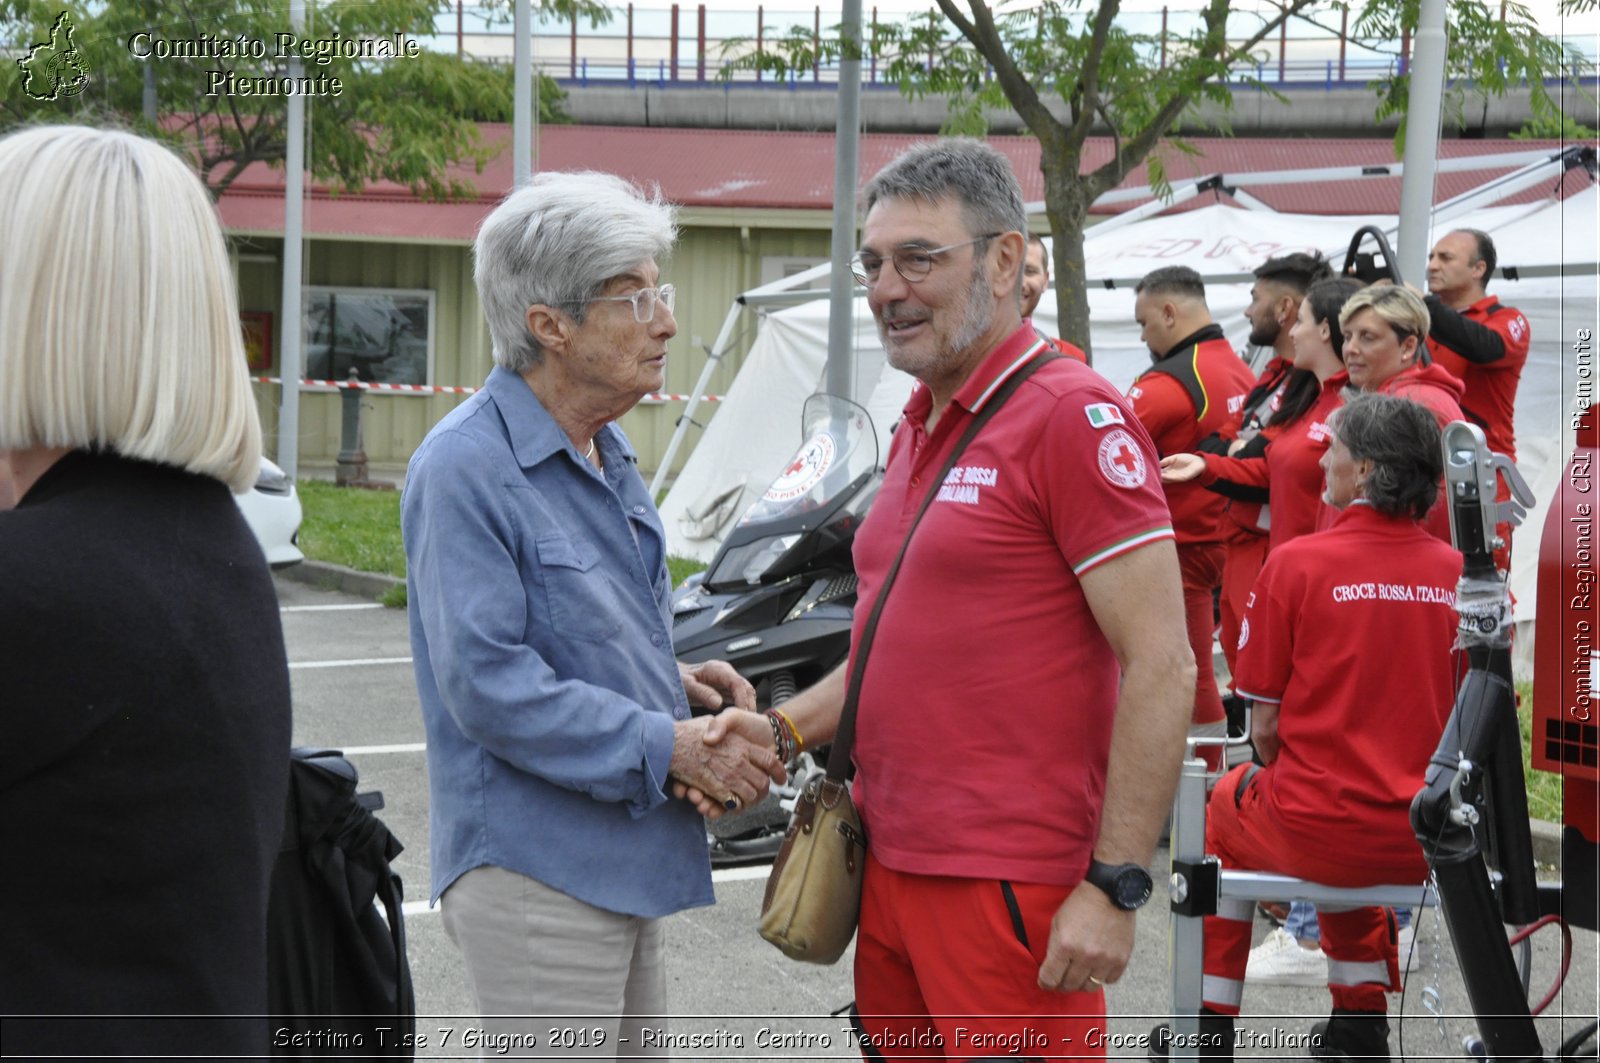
x=353, y=690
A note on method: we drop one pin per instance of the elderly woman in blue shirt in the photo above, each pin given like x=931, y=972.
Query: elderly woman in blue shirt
x=557, y=717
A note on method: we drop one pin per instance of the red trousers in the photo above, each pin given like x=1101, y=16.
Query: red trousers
x=948, y=968
x=1240, y=567
x=1360, y=942
x=1200, y=565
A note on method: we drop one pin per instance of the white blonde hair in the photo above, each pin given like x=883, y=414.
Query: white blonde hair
x=119, y=324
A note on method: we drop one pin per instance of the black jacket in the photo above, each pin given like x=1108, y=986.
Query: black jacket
x=144, y=765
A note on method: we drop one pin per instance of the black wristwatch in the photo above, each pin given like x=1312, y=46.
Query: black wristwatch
x=1128, y=885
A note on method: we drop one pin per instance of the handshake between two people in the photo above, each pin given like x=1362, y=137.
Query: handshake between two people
x=724, y=762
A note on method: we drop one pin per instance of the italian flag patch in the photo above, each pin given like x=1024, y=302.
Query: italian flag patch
x=1103, y=414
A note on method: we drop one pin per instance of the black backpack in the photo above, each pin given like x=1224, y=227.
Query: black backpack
x=337, y=977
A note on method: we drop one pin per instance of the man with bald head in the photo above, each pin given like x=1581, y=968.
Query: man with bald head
x=1480, y=341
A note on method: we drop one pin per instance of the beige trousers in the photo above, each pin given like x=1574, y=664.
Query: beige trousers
x=553, y=977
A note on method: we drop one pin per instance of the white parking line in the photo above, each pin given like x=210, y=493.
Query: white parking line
x=327, y=608
x=355, y=663
x=408, y=747
x=721, y=874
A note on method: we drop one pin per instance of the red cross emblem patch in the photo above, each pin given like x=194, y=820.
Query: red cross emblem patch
x=1121, y=460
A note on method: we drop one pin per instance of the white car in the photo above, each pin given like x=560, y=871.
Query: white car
x=272, y=509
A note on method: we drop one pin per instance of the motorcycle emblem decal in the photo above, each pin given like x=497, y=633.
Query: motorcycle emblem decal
x=1103, y=414
x=1121, y=461
x=805, y=471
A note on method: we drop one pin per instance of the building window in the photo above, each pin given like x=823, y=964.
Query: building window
x=777, y=267
x=385, y=334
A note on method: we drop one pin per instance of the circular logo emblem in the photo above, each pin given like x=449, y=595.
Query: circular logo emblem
x=805, y=471
x=1121, y=460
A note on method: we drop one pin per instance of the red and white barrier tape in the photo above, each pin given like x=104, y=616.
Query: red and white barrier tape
x=444, y=389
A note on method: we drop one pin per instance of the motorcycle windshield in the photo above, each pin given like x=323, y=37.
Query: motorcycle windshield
x=840, y=449
x=839, y=446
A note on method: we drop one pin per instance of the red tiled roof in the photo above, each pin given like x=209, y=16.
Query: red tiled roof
x=772, y=170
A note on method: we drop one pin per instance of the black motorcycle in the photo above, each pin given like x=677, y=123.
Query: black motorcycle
x=777, y=599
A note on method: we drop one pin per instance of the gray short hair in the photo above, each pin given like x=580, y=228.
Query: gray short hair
x=1402, y=440
x=119, y=323
x=556, y=241
x=969, y=171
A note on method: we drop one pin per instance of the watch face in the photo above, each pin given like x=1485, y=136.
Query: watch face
x=1133, y=888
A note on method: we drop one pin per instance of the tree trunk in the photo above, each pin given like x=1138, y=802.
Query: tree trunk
x=1067, y=207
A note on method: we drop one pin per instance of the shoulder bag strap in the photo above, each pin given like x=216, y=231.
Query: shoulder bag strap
x=844, y=739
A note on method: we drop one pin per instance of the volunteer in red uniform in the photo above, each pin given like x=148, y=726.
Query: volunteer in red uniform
x=1346, y=655
x=1195, y=388
x=1383, y=328
x=1022, y=715
x=1289, y=465
x=1035, y=282
x=1275, y=298
x=1483, y=342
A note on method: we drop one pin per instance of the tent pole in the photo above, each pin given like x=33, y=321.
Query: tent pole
x=291, y=362
x=522, y=94
x=1422, y=142
x=713, y=357
x=841, y=374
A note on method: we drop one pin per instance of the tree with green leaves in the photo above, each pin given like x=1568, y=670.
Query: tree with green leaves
x=1069, y=68
x=409, y=119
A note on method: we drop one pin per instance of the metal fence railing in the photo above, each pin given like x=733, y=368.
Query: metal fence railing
x=688, y=44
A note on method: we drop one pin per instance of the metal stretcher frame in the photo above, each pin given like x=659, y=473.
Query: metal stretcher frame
x=1198, y=883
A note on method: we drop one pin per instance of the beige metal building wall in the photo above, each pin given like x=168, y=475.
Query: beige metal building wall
x=719, y=255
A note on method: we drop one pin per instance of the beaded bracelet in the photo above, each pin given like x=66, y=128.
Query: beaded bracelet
x=780, y=739
x=790, y=745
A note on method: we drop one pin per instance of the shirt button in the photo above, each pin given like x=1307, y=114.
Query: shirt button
x=655, y=639
x=916, y=481
x=638, y=511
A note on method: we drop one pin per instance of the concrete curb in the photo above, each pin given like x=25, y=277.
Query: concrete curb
x=339, y=578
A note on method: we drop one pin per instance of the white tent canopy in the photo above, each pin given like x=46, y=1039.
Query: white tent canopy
x=758, y=425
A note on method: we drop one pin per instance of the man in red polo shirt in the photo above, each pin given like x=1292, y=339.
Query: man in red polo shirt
x=1035, y=282
x=1482, y=342
x=1281, y=282
x=1021, y=720
x=1472, y=334
x=1195, y=388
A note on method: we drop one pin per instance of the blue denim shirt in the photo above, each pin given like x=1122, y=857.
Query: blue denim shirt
x=541, y=631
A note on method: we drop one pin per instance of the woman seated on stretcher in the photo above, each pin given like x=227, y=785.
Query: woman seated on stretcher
x=1345, y=649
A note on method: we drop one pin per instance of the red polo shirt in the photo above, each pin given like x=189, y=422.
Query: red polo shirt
x=986, y=710
x=1069, y=350
x=1248, y=520
x=1291, y=469
x=1491, y=387
x=1177, y=421
x=1349, y=631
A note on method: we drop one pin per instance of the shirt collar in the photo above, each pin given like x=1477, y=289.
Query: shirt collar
x=1014, y=352
x=1212, y=331
x=534, y=434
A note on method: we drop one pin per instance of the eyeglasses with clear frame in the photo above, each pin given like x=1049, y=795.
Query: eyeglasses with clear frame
x=644, y=301
x=912, y=263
